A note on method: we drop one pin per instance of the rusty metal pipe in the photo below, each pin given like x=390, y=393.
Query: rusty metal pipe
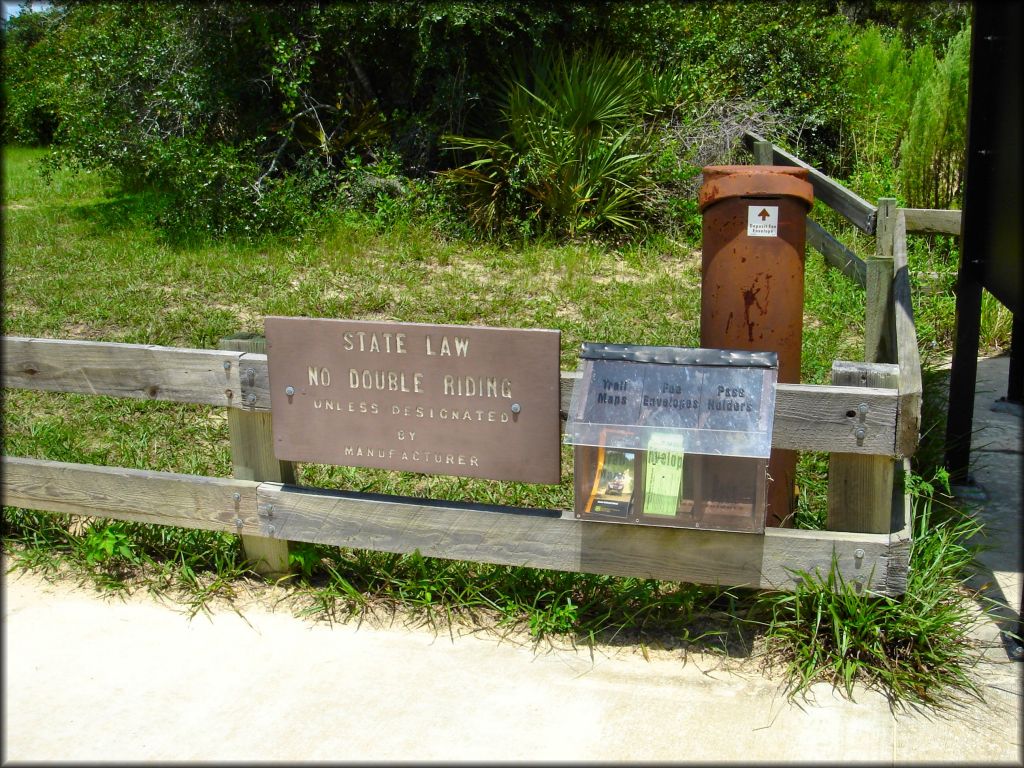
x=752, y=291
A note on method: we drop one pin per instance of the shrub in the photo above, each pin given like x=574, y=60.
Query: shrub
x=263, y=95
x=243, y=111
x=30, y=107
x=789, y=57
x=881, y=93
x=574, y=152
x=212, y=191
x=934, y=146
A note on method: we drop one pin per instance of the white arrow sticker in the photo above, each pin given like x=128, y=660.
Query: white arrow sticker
x=763, y=221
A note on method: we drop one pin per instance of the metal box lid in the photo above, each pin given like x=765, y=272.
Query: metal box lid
x=706, y=401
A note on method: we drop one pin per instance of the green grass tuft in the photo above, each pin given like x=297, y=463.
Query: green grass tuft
x=915, y=648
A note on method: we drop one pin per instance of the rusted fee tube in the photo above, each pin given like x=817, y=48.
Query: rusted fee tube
x=752, y=293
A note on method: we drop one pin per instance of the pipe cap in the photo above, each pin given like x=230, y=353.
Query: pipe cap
x=723, y=181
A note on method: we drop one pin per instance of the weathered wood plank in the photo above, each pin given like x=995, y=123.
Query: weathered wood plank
x=147, y=372
x=165, y=498
x=856, y=209
x=535, y=538
x=902, y=509
x=566, y=381
x=252, y=458
x=837, y=254
x=860, y=487
x=555, y=540
x=813, y=417
x=900, y=540
x=932, y=220
x=807, y=417
x=908, y=356
x=879, y=335
x=762, y=151
x=825, y=418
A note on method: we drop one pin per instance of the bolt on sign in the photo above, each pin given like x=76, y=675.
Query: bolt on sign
x=458, y=400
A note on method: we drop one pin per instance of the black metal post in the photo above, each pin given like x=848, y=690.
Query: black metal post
x=962, y=375
x=974, y=247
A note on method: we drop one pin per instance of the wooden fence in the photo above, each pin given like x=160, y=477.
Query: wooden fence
x=867, y=419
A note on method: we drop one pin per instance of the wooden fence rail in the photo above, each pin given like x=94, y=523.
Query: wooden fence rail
x=908, y=354
x=932, y=221
x=856, y=209
x=836, y=254
x=505, y=535
x=847, y=419
x=808, y=417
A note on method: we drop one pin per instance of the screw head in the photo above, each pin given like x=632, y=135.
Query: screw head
x=236, y=496
x=516, y=408
x=859, y=433
x=251, y=399
x=289, y=391
x=227, y=365
x=271, y=529
x=858, y=553
x=863, y=409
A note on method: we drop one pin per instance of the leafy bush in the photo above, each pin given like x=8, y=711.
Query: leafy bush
x=934, y=148
x=789, y=57
x=247, y=117
x=883, y=78
x=278, y=103
x=918, y=22
x=30, y=94
x=596, y=141
x=574, y=150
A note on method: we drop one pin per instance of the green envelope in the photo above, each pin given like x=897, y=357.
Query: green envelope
x=663, y=474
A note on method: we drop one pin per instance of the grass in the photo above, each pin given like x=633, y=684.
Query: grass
x=82, y=261
x=913, y=649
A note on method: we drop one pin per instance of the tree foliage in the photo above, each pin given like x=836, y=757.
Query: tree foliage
x=243, y=116
x=30, y=80
x=573, y=151
x=934, y=147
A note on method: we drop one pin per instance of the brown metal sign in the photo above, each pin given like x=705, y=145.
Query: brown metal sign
x=443, y=399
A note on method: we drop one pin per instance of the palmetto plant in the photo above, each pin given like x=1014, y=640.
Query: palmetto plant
x=574, y=152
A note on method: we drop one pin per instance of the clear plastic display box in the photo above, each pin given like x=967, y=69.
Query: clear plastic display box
x=672, y=436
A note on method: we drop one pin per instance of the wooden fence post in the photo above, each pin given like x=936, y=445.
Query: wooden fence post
x=763, y=153
x=879, y=337
x=860, y=486
x=252, y=458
